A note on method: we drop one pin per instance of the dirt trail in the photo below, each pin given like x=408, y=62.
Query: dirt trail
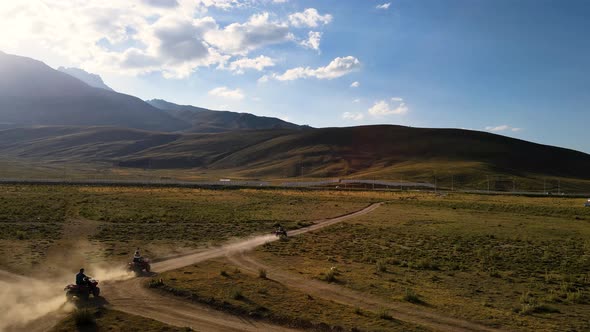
x=402, y=311
x=131, y=297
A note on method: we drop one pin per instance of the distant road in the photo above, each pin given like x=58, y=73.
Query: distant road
x=342, y=184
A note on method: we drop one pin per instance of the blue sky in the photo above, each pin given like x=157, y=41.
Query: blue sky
x=517, y=68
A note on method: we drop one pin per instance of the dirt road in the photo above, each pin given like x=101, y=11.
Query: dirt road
x=131, y=297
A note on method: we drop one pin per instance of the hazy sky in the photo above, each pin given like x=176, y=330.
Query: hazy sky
x=515, y=67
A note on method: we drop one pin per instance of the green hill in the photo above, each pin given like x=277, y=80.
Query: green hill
x=451, y=156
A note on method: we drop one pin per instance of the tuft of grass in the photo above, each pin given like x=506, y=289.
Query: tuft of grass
x=262, y=273
x=381, y=266
x=223, y=273
x=384, y=314
x=330, y=276
x=156, y=283
x=412, y=297
x=236, y=294
x=84, y=317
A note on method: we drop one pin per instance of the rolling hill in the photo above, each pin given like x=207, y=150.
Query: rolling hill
x=203, y=120
x=384, y=152
x=32, y=93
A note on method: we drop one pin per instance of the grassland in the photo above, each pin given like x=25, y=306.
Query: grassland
x=222, y=285
x=161, y=221
x=101, y=319
x=516, y=262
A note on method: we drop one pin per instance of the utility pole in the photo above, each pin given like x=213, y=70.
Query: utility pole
x=544, y=186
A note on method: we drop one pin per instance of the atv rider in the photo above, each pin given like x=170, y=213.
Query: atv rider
x=281, y=230
x=137, y=256
x=81, y=278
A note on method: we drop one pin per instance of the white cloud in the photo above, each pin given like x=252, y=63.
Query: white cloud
x=161, y=3
x=337, y=68
x=309, y=18
x=258, y=63
x=353, y=116
x=240, y=38
x=383, y=108
x=502, y=128
x=279, y=1
x=225, y=92
x=384, y=6
x=357, y=100
x=313, y=40
x=397, y=99
x=355, y=84
x=139, y=37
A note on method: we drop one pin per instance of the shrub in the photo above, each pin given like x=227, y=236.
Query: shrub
x=262, y=273
x=412, y=297
x=330, y=276
x=223, y=273
x=381, y=266
x=384, y=314
x=236, y=294
x=156, y=283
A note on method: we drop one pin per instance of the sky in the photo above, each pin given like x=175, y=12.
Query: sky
x=519, y=68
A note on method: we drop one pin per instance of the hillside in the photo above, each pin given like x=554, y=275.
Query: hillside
x=32, y=93
x=203, y=120
x=384, y=152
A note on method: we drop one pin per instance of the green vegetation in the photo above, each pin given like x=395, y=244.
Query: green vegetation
x=101, y=319
x=243, y=293
x=500, y=260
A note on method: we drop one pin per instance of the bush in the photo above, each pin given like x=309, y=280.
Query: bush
x=223, y=273
x=236, y=294
x=262, y=273
x=330, y=276
x=384, y=314
x=412, y=297
x=84, y=317
x=381, y=266
x=156, y=283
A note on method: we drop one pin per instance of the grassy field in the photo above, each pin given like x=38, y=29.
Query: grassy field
x=101, y=319
x=517, y=262
x=521, y=263
x=222, y=285
x=162, y=221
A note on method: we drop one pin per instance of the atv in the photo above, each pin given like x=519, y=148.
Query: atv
x=139, y=265
x=83, y=291
x=281, y=233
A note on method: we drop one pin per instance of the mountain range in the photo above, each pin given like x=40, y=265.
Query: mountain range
x=51, y=115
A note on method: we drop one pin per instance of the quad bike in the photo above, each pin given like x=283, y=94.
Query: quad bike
x=139, y=265
x=281, y=233
x=83, y=291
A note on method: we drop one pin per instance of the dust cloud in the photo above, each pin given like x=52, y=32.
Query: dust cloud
x=24, y=300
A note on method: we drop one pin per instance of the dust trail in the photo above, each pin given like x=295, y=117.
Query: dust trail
x=25, y=300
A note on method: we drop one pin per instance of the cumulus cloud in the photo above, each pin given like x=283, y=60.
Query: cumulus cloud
x=313, y=40
x=384, y=6
x=259, y=63
x=353, y=116
x=502, y=128
x=240, y=38
x=337, y=68
x=139, y=37
x=225, y=92
x=355, y=84
x=383, y=108
x=161, y=3
x=309, y=18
